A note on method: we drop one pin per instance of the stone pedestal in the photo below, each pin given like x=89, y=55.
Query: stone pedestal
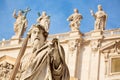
x=72, y=78
x=15, y=41
x=96, y=33
x=75, y=34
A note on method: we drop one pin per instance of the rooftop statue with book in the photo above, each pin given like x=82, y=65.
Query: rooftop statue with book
x=75, y=20
x=44, y=20
x=47, y=58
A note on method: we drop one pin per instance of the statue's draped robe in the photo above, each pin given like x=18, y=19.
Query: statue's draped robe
x=75, y=21
x=40, y=67
x=20, y=26
x=100, y=22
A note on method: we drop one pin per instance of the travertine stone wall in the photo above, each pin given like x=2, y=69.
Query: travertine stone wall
x=87, y=55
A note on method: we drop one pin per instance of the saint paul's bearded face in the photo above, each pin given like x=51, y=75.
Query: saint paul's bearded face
x=37, y=38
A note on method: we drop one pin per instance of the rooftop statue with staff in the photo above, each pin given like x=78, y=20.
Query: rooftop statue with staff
x=100, y=18
x=21, y=23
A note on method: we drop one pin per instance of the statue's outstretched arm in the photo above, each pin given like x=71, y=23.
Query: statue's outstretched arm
x=92, y=13
x=70, y=18
x=14, y=14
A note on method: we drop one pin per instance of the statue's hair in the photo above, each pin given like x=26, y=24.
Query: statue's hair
x=100, y=7
x=40, y=27
x=76, y=10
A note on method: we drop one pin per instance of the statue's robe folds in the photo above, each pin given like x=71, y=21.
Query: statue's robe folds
x=100, y=22
x=40, y=67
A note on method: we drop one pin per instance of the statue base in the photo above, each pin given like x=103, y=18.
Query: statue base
x=15, y=40
x=96, y=33
x=75, y=34
x=73, y=78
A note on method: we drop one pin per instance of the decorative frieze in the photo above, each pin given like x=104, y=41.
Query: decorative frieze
x=5, y=70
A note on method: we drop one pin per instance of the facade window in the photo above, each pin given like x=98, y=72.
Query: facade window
x=115, y=65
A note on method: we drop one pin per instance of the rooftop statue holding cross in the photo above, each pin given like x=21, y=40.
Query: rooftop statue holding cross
x=21, y=22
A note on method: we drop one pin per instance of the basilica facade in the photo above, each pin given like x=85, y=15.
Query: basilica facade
x=94, y=55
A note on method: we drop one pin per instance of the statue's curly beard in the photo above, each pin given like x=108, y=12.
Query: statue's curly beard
x=36, y=44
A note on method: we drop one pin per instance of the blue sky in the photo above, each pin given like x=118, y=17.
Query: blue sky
x=59, y=10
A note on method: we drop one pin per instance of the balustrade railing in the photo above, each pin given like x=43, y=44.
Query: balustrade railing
x=62, y=36
x=87, y=35
x=65, y=36
x=113, y=32
x=4, y=43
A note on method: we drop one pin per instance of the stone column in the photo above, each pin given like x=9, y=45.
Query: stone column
x=94, y=68
x=74, y=42
x=96, y=38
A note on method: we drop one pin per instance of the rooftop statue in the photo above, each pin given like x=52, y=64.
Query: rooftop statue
x=44, y=20
x=75, y=19
x=100, y=18
x=47, y=59
x=21, y=22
